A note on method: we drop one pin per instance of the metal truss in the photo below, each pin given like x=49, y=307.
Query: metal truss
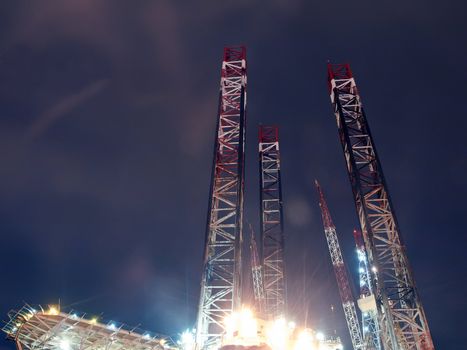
x=257, y=274
x=370, y=326
x=271, y=222
x=36, y=329
x=221, y=280
x=400, y=312
x=345, y=291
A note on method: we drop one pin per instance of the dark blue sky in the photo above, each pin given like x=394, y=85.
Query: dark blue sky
x=107, y=118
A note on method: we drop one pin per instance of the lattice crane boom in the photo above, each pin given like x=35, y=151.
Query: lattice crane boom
x=271, y=222
x=221, y=281
x=370, y=326
x=400, y=312
x=343, y=284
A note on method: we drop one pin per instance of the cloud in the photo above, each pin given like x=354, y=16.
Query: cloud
x=39, y=24
x=62, y=108
x=298, y=211
x=137, y=271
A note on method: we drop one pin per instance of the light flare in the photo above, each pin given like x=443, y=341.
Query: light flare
x=241, y=327
x=53, y=310
x=278, y=335
x=305, y=341
x=187, y=340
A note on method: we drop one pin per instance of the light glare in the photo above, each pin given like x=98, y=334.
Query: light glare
x=320, y=336
x=65, y=344
x=305, y=341
x=187, y=340
x=53, y=310
x=278, y=334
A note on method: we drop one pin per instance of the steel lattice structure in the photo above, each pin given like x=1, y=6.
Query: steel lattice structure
x=345, y=291
x=271, y=222
x=221, y=280
x=257, y=274
x=400, y=312
x=36, y=329
x=370, y=326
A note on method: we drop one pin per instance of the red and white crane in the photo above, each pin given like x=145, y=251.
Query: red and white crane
x=345, y=291
x=221, y=281
x=402, y=318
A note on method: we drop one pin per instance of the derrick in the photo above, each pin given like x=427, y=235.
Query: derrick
x=400, y=312
x=221, y=281
x=271, y=222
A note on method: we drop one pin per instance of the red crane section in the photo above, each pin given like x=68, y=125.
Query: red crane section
x=343, y=284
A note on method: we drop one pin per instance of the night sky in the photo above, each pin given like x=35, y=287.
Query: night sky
x=107, y=118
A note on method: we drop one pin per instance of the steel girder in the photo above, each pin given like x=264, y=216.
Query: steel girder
x=370, y=326
x=400, y=312
x=271, y=222
x=342, y=278
x=221, y=280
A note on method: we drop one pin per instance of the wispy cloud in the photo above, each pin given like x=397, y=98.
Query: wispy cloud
x=62, y=108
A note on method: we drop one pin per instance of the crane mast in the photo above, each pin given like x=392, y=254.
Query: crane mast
x=400, y=312
x=271, y=222
x=366, y=303
x=221, y=280
x=345, y=291
x=257, y=273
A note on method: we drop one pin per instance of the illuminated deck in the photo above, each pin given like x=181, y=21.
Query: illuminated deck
x=36, y=329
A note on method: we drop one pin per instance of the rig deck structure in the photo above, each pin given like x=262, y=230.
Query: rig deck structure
x=39, y=329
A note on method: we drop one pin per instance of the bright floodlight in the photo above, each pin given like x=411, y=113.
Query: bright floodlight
x=240, y=328
x=65, y=344
x=53, y=329
x=248, y=327
x=320, y=336
x=278, y=334
x=305, y=340
x=187, y=340
x=53, y=310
